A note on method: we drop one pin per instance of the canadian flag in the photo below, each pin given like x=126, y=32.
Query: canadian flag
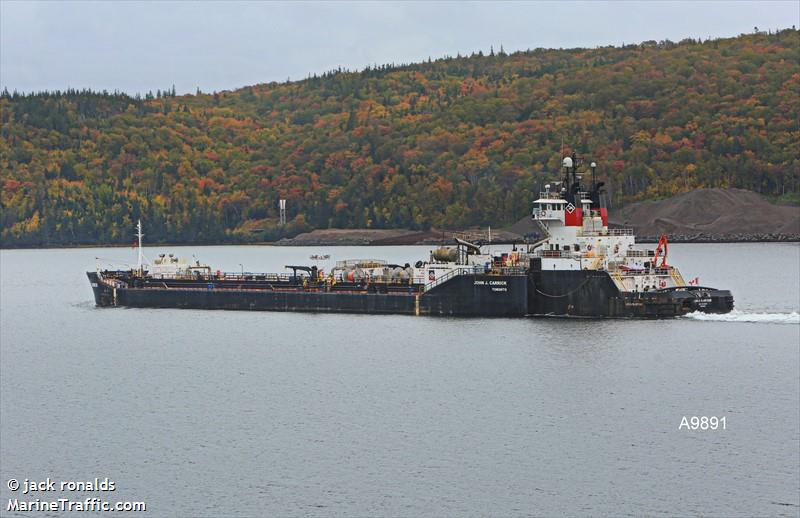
x=695, y=281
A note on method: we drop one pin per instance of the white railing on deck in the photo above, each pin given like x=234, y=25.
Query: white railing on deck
x=548, y=214
x=361, y=263
x=553, y=254
x=449, y=275
x=475, y=270
x=551, y=195
x=609, y=232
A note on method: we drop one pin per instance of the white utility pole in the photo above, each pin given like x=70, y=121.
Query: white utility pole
x=282, y=204
x=140, y=262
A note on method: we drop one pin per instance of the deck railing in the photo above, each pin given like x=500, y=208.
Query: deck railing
x=361, y=263
x=553, y=254
x=475, y=270
x=640, y=253
x=609, y=232
x=620, y=232
x=449, y=275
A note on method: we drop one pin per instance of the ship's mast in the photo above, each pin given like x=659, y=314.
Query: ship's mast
x=568, y=164
x=139, y=263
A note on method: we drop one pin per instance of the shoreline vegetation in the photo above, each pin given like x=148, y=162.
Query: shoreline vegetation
x=325, y=238
x=700, y=216
x=649, y=240
x=794, y=239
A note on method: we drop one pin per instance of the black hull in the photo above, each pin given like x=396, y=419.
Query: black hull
x=592, y=293
x=705, y=300
x=580, y=293
x=463, y=295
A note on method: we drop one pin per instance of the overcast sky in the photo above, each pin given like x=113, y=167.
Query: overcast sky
x=140, y=46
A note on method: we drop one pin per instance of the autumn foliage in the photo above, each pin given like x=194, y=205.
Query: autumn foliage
x=453, y=142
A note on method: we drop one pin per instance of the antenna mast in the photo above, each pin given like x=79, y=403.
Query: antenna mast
x=139, y=263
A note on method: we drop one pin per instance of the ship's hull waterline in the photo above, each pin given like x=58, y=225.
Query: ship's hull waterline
x=463, y=295
x=592, y=293
x=558, y=293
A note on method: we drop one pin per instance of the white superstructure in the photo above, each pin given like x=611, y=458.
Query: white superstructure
x=576, y=236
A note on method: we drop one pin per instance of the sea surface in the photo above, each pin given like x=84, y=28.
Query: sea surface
x=218, y=413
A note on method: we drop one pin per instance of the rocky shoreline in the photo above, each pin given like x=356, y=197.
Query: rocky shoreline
x=723, y=238
x=339, y=237
x=425, y=238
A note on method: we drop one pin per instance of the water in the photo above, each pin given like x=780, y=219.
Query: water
x=212, y=413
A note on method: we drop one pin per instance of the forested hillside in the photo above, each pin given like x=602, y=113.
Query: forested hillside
x=451, y=142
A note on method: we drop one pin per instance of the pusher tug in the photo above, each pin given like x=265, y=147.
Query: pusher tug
x=582, y=267
x=576, y=267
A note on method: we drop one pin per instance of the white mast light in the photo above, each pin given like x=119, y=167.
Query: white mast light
x=567, y=162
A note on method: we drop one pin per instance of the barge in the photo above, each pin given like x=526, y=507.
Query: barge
x=473, y=286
